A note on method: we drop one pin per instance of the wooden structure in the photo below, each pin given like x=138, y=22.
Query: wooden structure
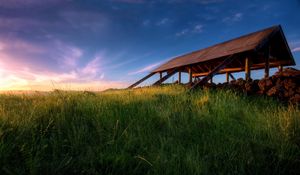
x=263, y=49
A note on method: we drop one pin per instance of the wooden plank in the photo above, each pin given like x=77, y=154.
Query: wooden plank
x=204, y=80
x=179, y=77
x=169, y=74
x=160, y=75
x=141, y=80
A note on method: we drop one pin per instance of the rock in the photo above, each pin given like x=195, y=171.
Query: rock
x=251, y=87
x=295, y=99
x=288, y=72
x=240, y=82
x=283, y=85
x=274, y=91
x=265, y=84
x=289, y=93
x=289, y=83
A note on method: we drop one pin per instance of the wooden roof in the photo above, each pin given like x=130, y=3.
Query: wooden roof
x=250, y=42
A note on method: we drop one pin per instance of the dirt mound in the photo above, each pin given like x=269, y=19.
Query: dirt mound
x=283, y=85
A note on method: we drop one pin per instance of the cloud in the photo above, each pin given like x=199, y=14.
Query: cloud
x=233, y=18
x=294, y=45
x=25, y=78
x=146, y=22
x=209, y=1
x=92, y=68
x=26, y=3
x=7, y=45
x=66, y=55
x=85, y=20
x=198, y=28
x=296, y=49
x=163, y=21
x=130, y=1
x=27, y=65
x=203, y=2
x=182, y=32
x=148, y=68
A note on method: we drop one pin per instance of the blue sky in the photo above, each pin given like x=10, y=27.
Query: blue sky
x=93, y=44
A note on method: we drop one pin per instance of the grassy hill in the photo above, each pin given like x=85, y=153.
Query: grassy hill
x=157, y=130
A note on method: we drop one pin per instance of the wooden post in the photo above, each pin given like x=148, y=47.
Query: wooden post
x=227, y=77
x=247, y=69
x=179, y=77
x=160, y=75
x=280, y=68
x=267, y=66
x=190, y=75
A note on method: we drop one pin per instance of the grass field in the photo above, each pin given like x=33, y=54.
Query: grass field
x=162, y=130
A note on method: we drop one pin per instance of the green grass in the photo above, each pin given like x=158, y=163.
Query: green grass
x=162, y=130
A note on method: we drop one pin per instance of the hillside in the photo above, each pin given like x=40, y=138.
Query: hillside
x=157, y=130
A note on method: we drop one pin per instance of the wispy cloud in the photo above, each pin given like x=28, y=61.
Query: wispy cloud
x=92, y=68
x=89, y=21
x=22, y=66
x=233, y=18
x=130, y=1
x=147, y=68
x=29, y=3
x=295, y=45
x=203, y=2
x=29, y=79
x=160, y=22
x=198, y=28
x=146, y=22
x=296, y=49
x=67, y=55
x=163, y=21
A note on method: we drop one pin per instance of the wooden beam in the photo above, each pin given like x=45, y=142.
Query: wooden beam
x=240, y=63
x=169, y=74
x=267, y=66
x=160, y=75
x=247, y=69
x=237, y=69
x=231, y=76
x=204, y=80
x=190, y=75
x=179, y=77
x=206, y=67
x=200, y=68
x=141, y=80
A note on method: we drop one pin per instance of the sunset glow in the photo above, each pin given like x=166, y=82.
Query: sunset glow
x=96, y=45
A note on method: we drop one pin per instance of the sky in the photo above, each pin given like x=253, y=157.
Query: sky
x=100, y=44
